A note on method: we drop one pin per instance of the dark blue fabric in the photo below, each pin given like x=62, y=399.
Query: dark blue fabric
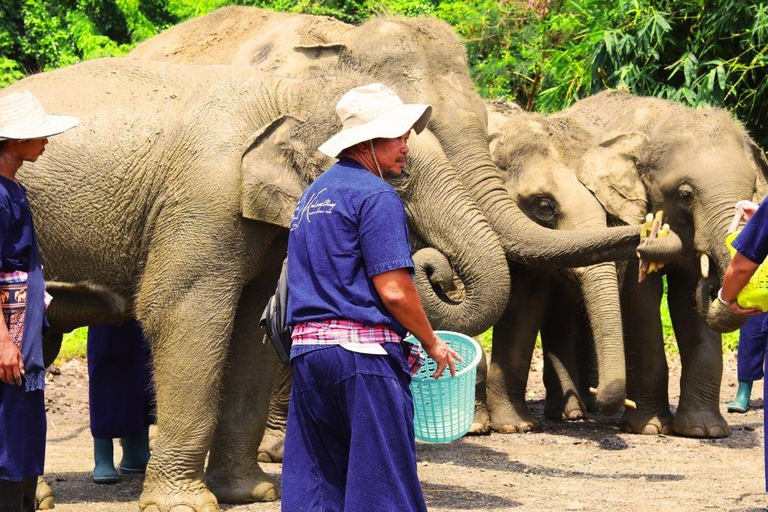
x=22, y=433
x=349, y=442
x=121, y=393
x=349, y=225
x=18, y=248
x=752, y=344
x=22, y=408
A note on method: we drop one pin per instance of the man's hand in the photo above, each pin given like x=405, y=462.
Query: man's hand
x=746, y=208
x=11, y=362
x=401, y=299
x=443, y=355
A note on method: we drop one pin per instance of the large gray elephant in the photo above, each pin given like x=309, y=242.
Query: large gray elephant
x=425, y=62
x=538, y=157
x=694, y=165
x=173, y=196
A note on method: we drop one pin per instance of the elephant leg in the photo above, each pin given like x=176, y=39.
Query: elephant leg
x=51, y=346
x=271, y=448
x=586, y=364
x=43, y=495
x=647, y=372
x=233, y=473
x=701, y=356
x=558, y=339
x=188, y=322
x=481, y=424
x=514, y=338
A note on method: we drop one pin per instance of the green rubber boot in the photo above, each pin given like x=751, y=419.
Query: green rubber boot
x=741, y=402
x=104, y=471
x=135, y=453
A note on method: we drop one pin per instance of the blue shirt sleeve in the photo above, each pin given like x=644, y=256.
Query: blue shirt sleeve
x=384, y=233
x=5, y=223
x=752, y=242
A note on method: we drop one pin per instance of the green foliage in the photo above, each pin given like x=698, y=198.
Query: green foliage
x=74, y=345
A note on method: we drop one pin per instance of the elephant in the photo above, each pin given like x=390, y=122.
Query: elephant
x=654, y=154
x=538, y=156
x=425, y=62
x=171, y=203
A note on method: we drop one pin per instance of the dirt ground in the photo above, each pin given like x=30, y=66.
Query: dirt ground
x=581, y=466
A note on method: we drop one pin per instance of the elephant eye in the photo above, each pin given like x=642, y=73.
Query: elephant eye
x=685, y=193
x=544, y=207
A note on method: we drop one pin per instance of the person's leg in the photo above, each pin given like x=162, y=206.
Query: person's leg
x=135, y=452
x=104, y=471
x=317, y=434
x=382, y=473
x=11, y=496
x=29, y=489
x=750, y=356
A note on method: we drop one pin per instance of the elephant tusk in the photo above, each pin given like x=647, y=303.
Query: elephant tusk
x=704, y=265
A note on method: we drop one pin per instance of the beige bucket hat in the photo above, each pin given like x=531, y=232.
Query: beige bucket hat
x=374, y=111
x=23, y=117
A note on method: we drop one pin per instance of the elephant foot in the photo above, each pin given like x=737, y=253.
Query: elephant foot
x=271, y=447
x=242, y=486
x=572, y=410
x=183, y=496
x=43, y=495
x=514, y=418
x=646, y=422
x=481, y=424
x=697, y=423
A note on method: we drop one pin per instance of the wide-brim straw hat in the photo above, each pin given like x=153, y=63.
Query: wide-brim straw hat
x=23, y=117
x=374, y=111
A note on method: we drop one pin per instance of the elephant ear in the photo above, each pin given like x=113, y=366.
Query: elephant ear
x=761, y=179
x=610, y=171
x=271, y=186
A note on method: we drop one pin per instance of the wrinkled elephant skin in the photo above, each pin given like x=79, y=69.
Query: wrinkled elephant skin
x=175, y=193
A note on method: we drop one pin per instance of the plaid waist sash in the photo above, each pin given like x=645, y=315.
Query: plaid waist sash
x=13, y=301
x=337, y=331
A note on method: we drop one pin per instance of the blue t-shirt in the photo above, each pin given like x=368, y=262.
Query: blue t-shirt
x=348, y=226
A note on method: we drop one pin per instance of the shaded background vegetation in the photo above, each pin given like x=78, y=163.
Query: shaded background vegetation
x=543, y=54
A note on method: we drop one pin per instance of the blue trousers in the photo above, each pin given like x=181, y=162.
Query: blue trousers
x=22, y=433
x=752, y=345
x=121, y=394
x=349, y=443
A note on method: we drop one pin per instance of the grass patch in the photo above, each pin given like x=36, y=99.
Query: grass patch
x=74, y=345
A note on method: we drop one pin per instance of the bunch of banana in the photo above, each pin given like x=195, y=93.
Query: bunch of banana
x=652, y=228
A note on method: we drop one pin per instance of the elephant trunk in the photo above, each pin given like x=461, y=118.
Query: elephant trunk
x=712, y=229
x=465, y=142
x=601, y=298
x=449, y=220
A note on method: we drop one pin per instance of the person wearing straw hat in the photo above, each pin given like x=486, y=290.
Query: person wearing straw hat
x=24, y=131
x=349, y=439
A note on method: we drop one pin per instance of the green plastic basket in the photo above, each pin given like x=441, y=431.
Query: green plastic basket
x=444, y=408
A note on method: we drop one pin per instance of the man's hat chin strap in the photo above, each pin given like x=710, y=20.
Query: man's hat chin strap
x=373, y=153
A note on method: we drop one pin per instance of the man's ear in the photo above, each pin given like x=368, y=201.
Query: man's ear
x=271, y=185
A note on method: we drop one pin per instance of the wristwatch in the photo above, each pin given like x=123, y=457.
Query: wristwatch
x=724, y=302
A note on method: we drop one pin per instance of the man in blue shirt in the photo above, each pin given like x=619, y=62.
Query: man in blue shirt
x=349, y=440
x=751, y=250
